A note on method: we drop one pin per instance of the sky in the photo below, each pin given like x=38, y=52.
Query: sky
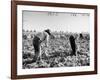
x=55, y=21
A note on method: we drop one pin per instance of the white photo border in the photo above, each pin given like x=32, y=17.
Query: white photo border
x=21, y=71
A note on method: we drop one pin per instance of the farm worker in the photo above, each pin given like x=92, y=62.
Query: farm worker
x=73, y=44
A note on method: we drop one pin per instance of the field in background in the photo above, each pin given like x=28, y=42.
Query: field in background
x=59, y=51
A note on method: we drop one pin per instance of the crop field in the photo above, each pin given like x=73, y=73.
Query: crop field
x=58, y=53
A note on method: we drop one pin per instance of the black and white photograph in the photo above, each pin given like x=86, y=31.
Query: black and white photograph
x=55, y=39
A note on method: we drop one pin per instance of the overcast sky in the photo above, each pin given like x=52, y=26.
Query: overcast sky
x=40, y=21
